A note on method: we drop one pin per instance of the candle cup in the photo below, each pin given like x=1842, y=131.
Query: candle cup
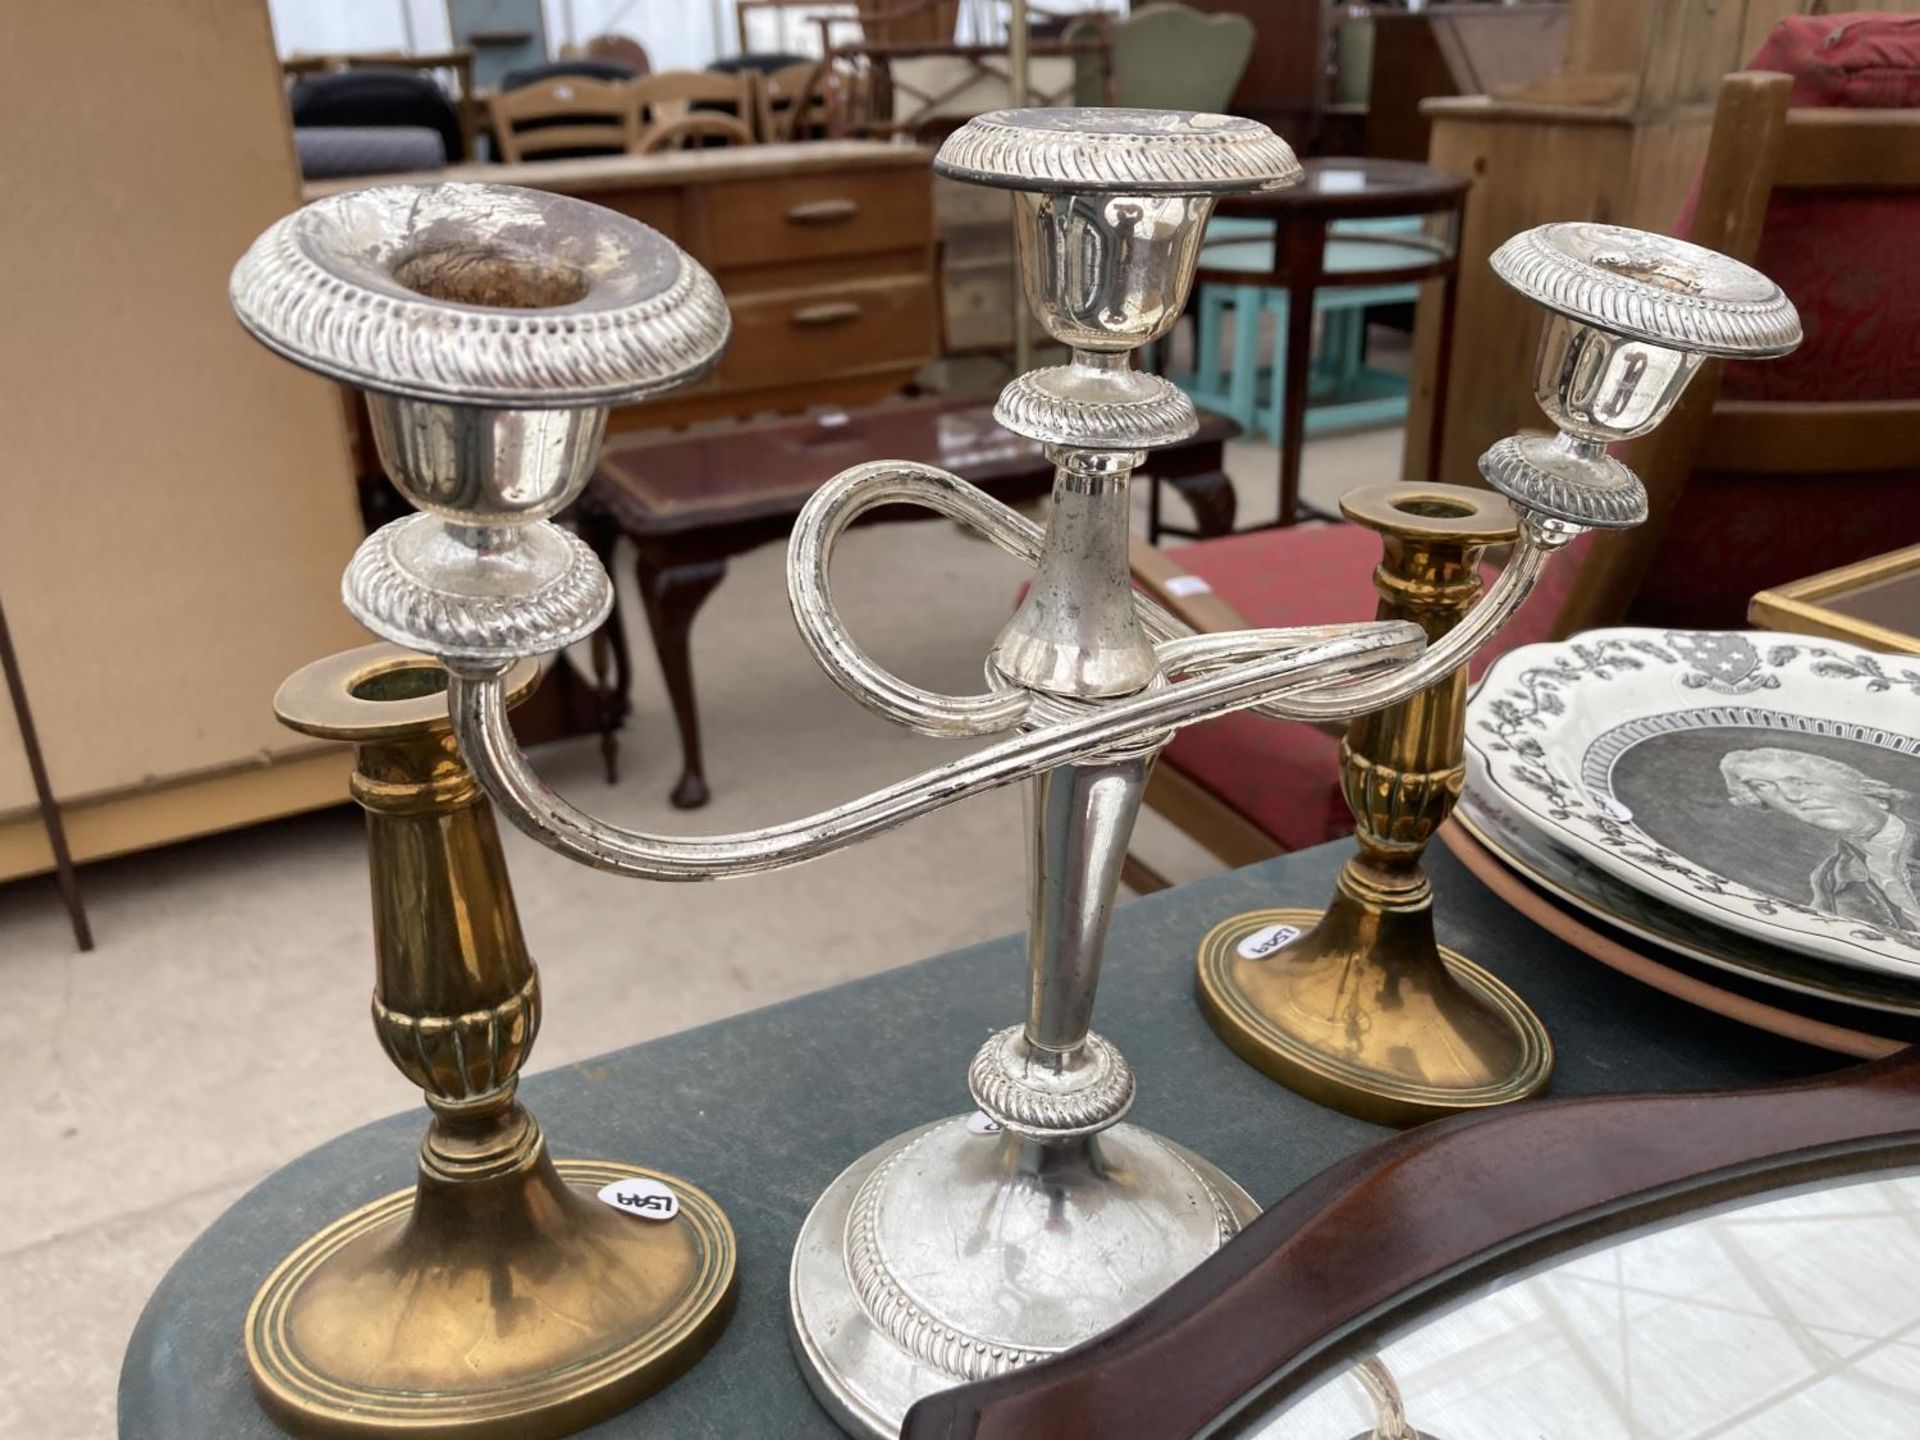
x=1631, y=316
x=492, y=328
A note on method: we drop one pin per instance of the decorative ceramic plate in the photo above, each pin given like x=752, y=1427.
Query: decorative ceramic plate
x=1763, y=782
x=1579, y=885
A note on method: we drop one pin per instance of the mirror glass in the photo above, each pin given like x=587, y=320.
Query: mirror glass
x=1793, y=1315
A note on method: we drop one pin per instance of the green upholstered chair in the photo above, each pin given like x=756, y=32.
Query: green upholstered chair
x=1165, y=57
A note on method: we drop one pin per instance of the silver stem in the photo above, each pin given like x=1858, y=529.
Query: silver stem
x=1080, y=823
x=1077, y=632
x=1378, y=1382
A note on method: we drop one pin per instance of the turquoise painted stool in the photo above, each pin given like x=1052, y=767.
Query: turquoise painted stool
x=1344, y=393
x=1353, y=233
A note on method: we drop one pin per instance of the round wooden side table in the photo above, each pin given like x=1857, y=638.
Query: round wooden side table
x=1305, y=259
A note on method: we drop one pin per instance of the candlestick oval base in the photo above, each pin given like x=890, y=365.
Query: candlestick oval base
x=513, y=1306
x=1394, y=1029
x=948, y=1255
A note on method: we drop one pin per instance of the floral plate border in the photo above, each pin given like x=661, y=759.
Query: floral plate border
x=1526, y=699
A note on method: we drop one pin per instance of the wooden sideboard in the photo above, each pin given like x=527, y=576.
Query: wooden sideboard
x=825, y=251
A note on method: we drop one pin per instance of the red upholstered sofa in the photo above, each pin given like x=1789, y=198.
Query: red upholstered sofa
x=1851, y=263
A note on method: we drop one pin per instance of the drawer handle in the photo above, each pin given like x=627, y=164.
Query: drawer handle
x=835, y=312
x=823, y=212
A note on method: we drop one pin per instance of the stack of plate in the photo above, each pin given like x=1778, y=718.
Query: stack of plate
x=1738, y=812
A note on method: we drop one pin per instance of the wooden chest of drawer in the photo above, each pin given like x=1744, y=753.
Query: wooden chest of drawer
x=817, y=217
x=846, y=327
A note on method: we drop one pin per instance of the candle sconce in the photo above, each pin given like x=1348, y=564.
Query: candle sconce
x=1359, y=1007
x=497, y=326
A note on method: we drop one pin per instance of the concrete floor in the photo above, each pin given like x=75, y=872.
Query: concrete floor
x=220, y=1029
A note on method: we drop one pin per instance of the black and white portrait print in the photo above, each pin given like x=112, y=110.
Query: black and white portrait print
x=1818, y=820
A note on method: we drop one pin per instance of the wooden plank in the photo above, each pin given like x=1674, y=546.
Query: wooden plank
x=118, y=824
x=1525, y=174
x=1850, y=150
x=1609, y=36
x=592, y=174
x=179, y=501
x=1804, y=437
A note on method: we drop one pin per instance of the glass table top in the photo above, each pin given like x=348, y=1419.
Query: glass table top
x=1794, y=1317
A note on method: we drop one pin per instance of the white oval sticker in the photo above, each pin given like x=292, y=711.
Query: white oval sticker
x=1267, y=939
x=640, y=1196
x=1611, y=807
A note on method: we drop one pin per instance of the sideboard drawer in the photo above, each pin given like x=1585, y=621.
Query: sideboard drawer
x=809, y=217
x=795, y=335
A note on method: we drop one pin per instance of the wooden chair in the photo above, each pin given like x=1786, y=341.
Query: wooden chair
x=567, y=113
x=675, y=109
x=901, y=22
x=791, y=102
x=451, y=69
x=1745, y=493
x=1161, y=56
x=622, y=49
x=1772, y=475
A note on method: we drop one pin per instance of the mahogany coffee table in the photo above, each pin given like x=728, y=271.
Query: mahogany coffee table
x=691, y=501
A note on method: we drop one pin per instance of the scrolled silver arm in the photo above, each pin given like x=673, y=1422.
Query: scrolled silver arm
x=478, y=706
x=1344, y=698
x=847, y=496
x=834, y=507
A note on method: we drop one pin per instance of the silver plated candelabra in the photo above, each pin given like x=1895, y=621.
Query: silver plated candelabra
x=492, y=328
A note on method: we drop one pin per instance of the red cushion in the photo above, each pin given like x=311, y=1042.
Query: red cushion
x=1868, y=61
x=1285, y=778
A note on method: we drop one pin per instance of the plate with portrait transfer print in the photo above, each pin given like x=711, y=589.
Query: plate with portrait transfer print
x=1764, y=782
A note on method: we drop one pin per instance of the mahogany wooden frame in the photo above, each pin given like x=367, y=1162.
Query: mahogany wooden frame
x=1399, y=1231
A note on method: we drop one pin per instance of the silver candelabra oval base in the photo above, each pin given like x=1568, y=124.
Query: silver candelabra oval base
x=956, y=1252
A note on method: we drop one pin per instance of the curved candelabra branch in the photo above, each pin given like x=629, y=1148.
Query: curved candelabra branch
x=834, y=507
x=847, y=496
x=480, y=719
x=1349, y=696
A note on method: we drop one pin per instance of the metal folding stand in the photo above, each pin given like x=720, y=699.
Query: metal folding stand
x=64, y=873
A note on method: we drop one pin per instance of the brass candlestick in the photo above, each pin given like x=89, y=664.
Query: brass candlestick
x=1361, y=1008
x=498, y=1296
